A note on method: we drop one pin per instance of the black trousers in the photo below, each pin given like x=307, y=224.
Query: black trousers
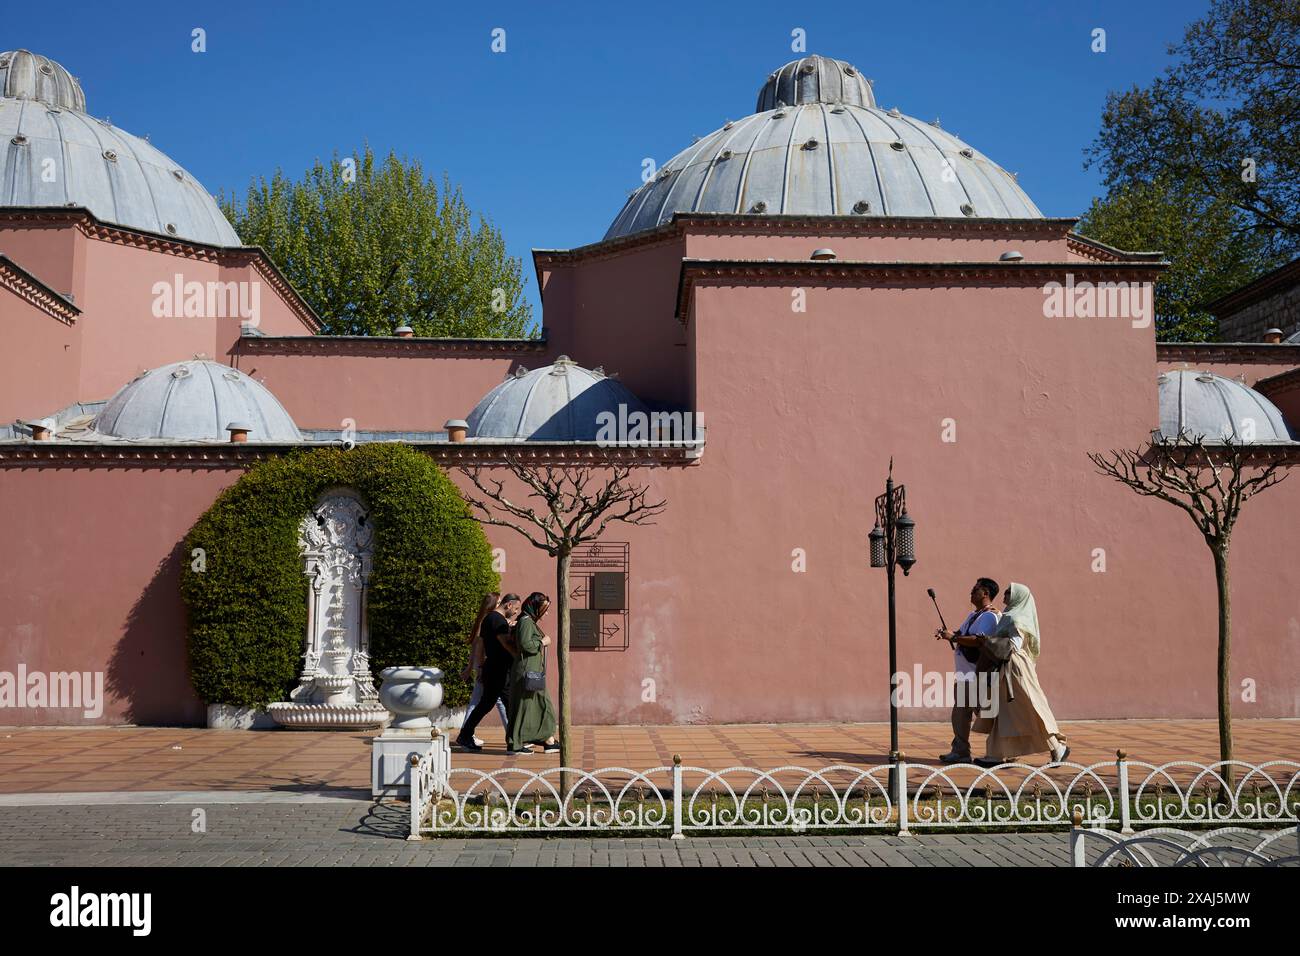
x=495, y=679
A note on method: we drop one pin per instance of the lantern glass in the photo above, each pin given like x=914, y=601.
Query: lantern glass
x=877, y=539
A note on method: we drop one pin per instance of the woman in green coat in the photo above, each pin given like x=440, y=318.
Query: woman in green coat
x=532, y=715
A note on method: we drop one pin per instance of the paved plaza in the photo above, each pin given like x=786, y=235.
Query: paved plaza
x=356, y=832
x=192, y=797
x=112, y=759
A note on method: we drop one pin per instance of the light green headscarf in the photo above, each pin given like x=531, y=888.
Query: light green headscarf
x=1023, y=614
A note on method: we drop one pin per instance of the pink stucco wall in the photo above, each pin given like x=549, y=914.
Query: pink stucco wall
x=90, y=579
x=804, y=411
x=397, y=391
x=35, y=378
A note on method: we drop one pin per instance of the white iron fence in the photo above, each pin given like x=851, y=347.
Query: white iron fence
x=1226, y=846
x=681, y=799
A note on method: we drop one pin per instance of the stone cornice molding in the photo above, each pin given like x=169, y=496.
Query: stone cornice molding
x=448, y=454
x=901, y=274
x=756, y=224
x=31, y=289
x=228, y=256
x=384, y=345
x=1241, y=353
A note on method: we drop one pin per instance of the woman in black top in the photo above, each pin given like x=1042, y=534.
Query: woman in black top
x=497, y=657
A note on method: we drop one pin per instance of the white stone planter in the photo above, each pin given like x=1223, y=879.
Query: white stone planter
x=230, y=717
x=412, y=694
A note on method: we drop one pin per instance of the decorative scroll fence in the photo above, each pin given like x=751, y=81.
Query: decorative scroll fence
x=1227, y=846
x=682, y=799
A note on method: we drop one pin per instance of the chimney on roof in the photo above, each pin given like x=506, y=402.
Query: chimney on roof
x=239, y=432
x=405, y=332
x=456, y=429
x=1273, y=337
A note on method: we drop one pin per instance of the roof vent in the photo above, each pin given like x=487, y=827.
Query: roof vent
x=171, y=228
x=967, y=209
x=778, y=114
x=520, y=372
x=1011, y=256
x=895, y=112
x=849, y=71
x=19, y=140
x=725, y=154
x=968, y=153
x=1205, y=377
x=898, y=144
x=812, y=143
x=178, y=174
x=759, y=206
x=837, y=109
x=823, y=255
x=110, y=155
x=861, y=206
x=181, y=371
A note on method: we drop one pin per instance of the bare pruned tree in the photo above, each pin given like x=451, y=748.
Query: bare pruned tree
x=1211, y=481
x=577, y=504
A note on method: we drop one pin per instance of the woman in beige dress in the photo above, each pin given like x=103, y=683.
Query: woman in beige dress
x=1024, y=723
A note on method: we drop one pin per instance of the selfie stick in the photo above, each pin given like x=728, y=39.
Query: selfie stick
x=930, y=591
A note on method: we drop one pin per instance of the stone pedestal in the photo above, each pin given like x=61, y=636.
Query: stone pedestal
x=411, y=694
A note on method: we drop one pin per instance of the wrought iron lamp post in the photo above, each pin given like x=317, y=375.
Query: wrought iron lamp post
x=893, y=543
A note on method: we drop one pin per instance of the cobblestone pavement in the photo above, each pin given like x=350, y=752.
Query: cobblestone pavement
x=350, y=832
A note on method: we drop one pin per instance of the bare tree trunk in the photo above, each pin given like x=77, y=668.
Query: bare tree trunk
x=564, y=559
x=1225, y=650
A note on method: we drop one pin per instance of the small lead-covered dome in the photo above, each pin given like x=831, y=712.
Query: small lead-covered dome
x=820, y=146
x=815, y=79
x=1209, y=406
x=29, y=76
x=52, y=153
x=560, y=402
x=195, y=401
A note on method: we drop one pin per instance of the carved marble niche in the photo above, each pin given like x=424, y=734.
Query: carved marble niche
x=335, y=687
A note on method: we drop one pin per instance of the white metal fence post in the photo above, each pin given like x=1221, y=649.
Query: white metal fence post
x=900, y=791
x=417, y=799
x=677, y=798
x=1077, y=856
x=1121, y=764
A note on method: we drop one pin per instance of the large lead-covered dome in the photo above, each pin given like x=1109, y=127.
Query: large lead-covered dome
x=52, y=153
x=819, y=146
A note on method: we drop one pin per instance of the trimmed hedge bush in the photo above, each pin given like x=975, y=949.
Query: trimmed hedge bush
x=247, y=597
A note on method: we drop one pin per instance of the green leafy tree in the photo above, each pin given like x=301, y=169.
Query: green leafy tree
x=1209, y=250
x=373, y=246
x=1223, y=121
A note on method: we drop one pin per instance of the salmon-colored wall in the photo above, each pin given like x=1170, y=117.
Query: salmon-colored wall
x=52, y=252
x=36, y=377
x=90, y=581
x=396, y=392
x=619, y=314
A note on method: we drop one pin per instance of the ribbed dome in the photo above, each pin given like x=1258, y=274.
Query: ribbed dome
x=815, y=79
x=558, y=402
x=1202, y=404
x=52, y=153
x=195, y=401
x=29, y=76
x=828, y=152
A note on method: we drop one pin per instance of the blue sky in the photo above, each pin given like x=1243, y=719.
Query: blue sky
x=548, y=137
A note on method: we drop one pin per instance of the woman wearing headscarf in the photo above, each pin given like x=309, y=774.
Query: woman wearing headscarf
x=1023, y=723
x=532, y=715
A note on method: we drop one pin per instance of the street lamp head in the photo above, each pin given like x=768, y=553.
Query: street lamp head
x=877, y=539
x=906, y=542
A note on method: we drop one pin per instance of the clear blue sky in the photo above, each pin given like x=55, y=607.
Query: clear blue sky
x=548, y=138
